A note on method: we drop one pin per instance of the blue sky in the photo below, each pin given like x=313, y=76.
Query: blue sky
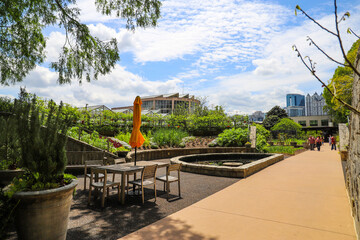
x=234, y=53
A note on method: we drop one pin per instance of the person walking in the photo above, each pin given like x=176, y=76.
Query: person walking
x=333, y=143
x=330, y=140
x=318, y=143
x=311, y=142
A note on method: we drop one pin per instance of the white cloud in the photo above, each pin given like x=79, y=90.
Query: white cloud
x=119, y=88
x=279, y=71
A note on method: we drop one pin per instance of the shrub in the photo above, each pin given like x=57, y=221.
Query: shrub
x=169, y=137
x=233, y=137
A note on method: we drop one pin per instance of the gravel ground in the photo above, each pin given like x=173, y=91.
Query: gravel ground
x=116, y=220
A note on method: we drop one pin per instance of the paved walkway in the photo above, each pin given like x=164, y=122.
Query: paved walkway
x=303, y=197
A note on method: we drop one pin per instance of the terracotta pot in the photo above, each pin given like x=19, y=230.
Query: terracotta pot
x=44, y=214
x=6, y=176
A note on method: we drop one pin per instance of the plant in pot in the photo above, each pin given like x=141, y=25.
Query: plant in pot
x=44, y=192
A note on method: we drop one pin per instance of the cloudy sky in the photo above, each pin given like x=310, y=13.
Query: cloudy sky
x=234, y=53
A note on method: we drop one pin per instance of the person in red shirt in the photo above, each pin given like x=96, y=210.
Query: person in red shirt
x=311, y=142
x=333, y=143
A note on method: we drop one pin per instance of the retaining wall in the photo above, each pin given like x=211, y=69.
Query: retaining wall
x=78, y=152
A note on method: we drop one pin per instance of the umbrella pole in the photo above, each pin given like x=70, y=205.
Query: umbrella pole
x=135, y=156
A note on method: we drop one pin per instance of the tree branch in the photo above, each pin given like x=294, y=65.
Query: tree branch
x=312, y=42
x=311, y=68
x=327, y=30
x=351, y=31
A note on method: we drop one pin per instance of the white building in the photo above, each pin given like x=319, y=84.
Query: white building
x=314, y=105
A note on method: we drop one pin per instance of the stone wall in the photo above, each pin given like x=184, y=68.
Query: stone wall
x=353, y=163
x=343, y=136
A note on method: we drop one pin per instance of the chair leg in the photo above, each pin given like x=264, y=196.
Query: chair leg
x=167, y=190
x=164, y=186
x=85, y=182
x=103, y=198
x=89, y=195
x=155, y=189
x=142, y=194
x=179, y=188
x=119, y=195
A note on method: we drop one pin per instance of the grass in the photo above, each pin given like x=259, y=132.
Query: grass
x=289, y=140
x=282, y=149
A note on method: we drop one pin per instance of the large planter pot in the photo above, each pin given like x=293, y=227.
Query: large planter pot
x=6, y=176
x=44, y=214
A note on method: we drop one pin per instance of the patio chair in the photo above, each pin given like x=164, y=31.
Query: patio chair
x=148, y=177
x=92, y=163
x=104, y=185
x=167, y=179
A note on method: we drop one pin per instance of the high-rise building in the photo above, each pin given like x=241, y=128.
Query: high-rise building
x=314, y=105
x=295, y=105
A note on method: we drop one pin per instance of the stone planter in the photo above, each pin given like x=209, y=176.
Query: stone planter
x=344, y=155
x=44, y=214
x=6, y=176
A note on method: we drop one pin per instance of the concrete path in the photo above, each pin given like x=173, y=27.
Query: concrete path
x=303, y=197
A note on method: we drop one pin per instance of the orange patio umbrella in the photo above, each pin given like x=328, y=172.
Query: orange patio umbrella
x=136, y=138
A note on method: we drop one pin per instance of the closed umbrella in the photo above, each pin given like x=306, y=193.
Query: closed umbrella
x=136, y=138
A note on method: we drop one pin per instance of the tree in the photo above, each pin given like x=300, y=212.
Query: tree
x=277, y=111
x=22, y=42
x=274, y=116
x=286, y=124
x=341, y=82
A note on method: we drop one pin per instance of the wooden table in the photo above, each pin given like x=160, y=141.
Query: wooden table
x=129, y=168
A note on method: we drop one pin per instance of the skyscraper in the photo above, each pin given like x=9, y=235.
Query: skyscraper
x=295, y=105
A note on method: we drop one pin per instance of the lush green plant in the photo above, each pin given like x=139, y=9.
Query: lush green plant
x=261, y=143
x=261, y=130
x=169, y=136
x=235, y=137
